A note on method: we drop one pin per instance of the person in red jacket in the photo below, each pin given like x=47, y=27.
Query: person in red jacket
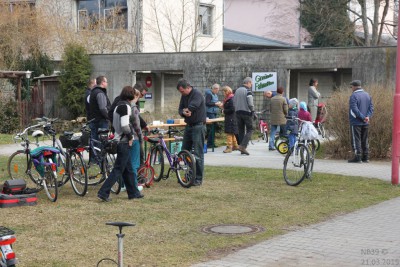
x=303, y=113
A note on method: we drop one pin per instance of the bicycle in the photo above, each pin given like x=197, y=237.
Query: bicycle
x=7, y=255
x=99, y=162
x=182, y=163
x=43, y=158
x=120, y=235
x=262, y=127
x=70, y=161
x=322, y=113
x=145, y=173
x=296, y=165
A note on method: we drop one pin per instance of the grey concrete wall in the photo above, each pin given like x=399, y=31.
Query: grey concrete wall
x=202, y=69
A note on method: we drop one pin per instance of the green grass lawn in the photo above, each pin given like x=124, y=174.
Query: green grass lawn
x=72, y=231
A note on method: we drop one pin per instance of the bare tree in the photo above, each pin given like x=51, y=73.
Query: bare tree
x=374, y=26
x=175, y=27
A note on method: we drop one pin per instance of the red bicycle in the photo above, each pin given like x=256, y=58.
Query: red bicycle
x=145, y=173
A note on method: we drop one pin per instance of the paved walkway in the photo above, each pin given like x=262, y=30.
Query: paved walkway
x=367, y=237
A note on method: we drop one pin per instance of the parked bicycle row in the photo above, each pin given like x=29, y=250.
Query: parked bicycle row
x=84, y=161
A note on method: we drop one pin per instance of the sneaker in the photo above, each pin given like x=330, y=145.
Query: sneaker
x=123, y=189
x=104, y=199
x=243, y=150
x=271, y=149
x=137, y=196
x=228, y=150
x=197, y=183
x=356, y=159
x=234, y=148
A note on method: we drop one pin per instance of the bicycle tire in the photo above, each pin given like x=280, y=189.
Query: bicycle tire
x=94, y=170
x=312, y=150
x=49, y=181
x=62, y=168
x=186, y=168
x=145, y=175
x=109, y=165
x=265, y=134
x=283, y=148
x=322, y=130
x=18, y=168
x=157, y=162
x=295, y=165
x=78, y=173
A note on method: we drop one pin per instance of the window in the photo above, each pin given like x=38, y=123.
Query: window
x=205, y=23
x=102, y=14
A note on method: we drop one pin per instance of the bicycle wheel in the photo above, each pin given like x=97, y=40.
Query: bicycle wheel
x=265, y=134
x=312, y=150
x=322, y=130
x=186, y=168
x=157, y=162
x=295, y=165
x=94, y=169
x=283, y=147
x=109, y=165
x=145, y=176
x=62, y=169
x=17, y=167
x=49, y=181
x=78, y=174
x=279, y=140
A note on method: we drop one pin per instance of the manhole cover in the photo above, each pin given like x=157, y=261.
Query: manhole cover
x=232, y=229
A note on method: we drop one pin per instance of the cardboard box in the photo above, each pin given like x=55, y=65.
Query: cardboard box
x=179, y=121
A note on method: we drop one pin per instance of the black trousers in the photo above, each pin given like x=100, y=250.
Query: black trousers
x=359, y=139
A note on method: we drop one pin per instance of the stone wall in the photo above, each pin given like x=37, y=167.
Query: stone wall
x=202, y=69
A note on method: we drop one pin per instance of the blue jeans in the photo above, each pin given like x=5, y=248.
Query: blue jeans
x=135, y=160
x=122, y=167
x=245, y=126
x=292, y=140
x=95, y=125
x=194, y=138
x=210, y=141
x=282, y=132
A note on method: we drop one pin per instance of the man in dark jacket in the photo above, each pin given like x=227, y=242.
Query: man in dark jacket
x=99, y=104
x=192, y=107
x=91, y=83
x=361, y=109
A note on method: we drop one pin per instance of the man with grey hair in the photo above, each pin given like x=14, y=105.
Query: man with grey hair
x=244, y=108
x=361, y=109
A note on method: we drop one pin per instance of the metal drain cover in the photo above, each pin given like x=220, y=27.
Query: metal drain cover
x=232, y=229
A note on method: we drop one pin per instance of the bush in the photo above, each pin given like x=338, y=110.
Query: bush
x=380, y=129
x=9, y=116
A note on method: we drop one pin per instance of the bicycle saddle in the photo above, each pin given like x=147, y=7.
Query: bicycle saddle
x=153, y=140
x=102, y=130
x=37, y=133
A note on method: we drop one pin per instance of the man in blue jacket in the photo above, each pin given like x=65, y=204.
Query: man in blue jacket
x=361, y=109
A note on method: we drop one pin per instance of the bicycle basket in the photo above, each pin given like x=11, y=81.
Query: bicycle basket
x=112, y=146
x=75, y=141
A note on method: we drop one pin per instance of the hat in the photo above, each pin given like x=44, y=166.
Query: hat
x=303, y=105
x=355, y=83
x=293, y=102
